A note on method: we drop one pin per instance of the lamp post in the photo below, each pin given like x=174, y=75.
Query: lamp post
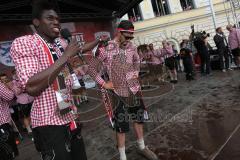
x=213, y=13
x=234, y=4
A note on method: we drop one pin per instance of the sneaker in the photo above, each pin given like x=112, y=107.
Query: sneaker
x=147, y=153
x=224, y=70
x=230, y=69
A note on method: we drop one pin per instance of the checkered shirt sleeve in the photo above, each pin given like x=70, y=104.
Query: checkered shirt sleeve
x=6, y=95
x=95, y=65
x=29, y=57
x=16, y=87
x=133, y=61
x=25, y=59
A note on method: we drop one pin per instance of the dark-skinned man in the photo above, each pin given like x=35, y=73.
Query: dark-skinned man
x=39, y=58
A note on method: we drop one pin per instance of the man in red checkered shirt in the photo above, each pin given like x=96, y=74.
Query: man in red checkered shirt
x=121, y=60
x=38, y=60
x=7, y=138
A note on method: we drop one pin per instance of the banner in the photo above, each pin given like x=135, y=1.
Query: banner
x=79, y=38
x=5, y=57
x=102, y=33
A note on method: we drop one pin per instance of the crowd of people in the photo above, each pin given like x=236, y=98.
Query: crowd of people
x=193, y=51
x=40, y=59
x=15, y=106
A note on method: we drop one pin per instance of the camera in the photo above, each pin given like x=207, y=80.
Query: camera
x=205, y=35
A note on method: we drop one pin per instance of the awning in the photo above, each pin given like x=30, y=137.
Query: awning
x=69, y=10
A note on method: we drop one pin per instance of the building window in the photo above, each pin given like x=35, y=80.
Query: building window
x=135, y=14
x=187, y=4
x=160, y=7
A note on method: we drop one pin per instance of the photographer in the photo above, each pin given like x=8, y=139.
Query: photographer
x=201, y=44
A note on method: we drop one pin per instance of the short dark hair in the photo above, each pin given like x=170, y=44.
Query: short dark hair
x=125, y=24
x=38, y=6
x=217, y=29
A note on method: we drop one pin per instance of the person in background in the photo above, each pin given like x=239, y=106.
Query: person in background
x=184, y=45
x=167, y=52
x=24, y=103
x=177, y=59
x=14, y=104
x=144, y=64
x=155, y=61
x=222, y=48
x=187, y=58
x=234, y=43
x=202, y=47
x=8, y=147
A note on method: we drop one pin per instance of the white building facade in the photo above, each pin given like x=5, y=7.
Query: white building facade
x=157, y=20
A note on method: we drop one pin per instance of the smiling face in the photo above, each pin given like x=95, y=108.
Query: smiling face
x=48, y=25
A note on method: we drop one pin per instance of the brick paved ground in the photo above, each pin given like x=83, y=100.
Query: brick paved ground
x=195, y=120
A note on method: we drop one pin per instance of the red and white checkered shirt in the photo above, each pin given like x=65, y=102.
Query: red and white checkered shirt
x=6, y=95
x=234, y=38
x=121, y=65
x=29, y=57
x=156, y=57
x=22, y=98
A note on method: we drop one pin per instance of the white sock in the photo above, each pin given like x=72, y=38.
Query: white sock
x=141, y=144
x=122, y=153
x=175, y=77
x=171, y=76
x=29, y=129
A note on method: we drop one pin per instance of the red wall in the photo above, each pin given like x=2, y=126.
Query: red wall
x=9, y=32
x=89, y=28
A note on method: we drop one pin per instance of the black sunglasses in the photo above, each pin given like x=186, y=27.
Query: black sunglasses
x=127, y=37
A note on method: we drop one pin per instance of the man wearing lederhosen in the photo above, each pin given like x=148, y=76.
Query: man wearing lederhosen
x=170, y=60
x=121, y=60
x=155, y=61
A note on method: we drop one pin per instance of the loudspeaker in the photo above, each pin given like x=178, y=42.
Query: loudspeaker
x=215, y=62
